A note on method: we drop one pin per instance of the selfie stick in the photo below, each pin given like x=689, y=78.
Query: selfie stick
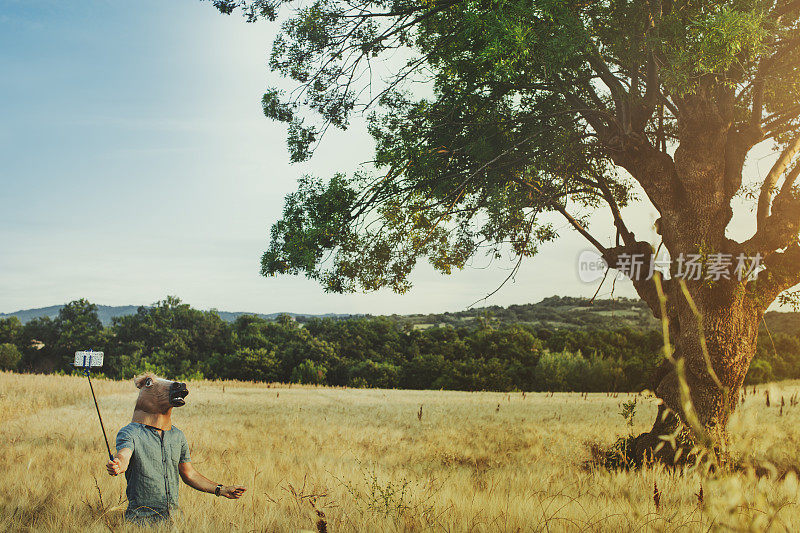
x=88, y=359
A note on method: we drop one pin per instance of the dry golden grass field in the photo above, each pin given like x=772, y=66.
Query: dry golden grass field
x=367, y=461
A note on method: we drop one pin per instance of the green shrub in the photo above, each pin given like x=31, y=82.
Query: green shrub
x=9, y=356
x=309, y=372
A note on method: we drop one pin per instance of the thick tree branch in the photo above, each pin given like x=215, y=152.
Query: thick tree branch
x=781, y=273
x=781, y=228
x=767, y=188
x=789, y=179
x=644, y=111
x=618, y=92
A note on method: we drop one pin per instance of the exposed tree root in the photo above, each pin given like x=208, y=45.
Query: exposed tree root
x=669, y=443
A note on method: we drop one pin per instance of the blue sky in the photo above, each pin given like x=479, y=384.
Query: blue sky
x=135, y=163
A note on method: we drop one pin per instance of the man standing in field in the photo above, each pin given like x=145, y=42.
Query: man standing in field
x=153, y=453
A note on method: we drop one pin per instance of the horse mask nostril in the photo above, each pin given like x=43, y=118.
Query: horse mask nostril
x=178, y=392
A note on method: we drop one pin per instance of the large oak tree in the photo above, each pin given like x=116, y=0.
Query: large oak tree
x=540, y=106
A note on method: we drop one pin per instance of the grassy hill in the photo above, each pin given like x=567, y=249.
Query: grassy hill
x=553, y=312
x=559, y=312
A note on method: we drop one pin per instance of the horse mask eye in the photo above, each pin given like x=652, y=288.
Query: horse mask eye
x=148, y=382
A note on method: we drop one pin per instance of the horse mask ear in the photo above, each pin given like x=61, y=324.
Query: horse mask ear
x=143, y=381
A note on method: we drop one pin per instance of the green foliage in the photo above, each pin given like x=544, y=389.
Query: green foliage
x=313, y=219
x=171, y=335
x=760, y=371
x=48, y=345
x=79, y=328
x=713, y=38
x=309, y=372
x=10, y=329
x=777, y=357
x=383, y=498
x=375, y=374
x=10, y=356
x=557, y=370
x=249, y=364
x=628, y=412
x=36, y=342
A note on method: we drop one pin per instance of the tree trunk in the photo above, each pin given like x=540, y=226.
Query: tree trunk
x=692, y=190
x=730, y=320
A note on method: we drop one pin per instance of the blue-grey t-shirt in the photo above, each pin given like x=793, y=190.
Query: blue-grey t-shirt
x=152, y=473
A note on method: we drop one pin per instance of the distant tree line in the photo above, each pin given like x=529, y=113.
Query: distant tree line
x=175, y=340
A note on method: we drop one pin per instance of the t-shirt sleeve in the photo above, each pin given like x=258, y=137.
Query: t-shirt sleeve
x=184, y=450
x=125, y=438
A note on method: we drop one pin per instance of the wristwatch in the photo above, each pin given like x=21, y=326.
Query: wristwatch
x=216, y=490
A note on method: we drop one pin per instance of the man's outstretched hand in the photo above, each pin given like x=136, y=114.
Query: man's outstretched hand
x=198, y=481
x=234, y=492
